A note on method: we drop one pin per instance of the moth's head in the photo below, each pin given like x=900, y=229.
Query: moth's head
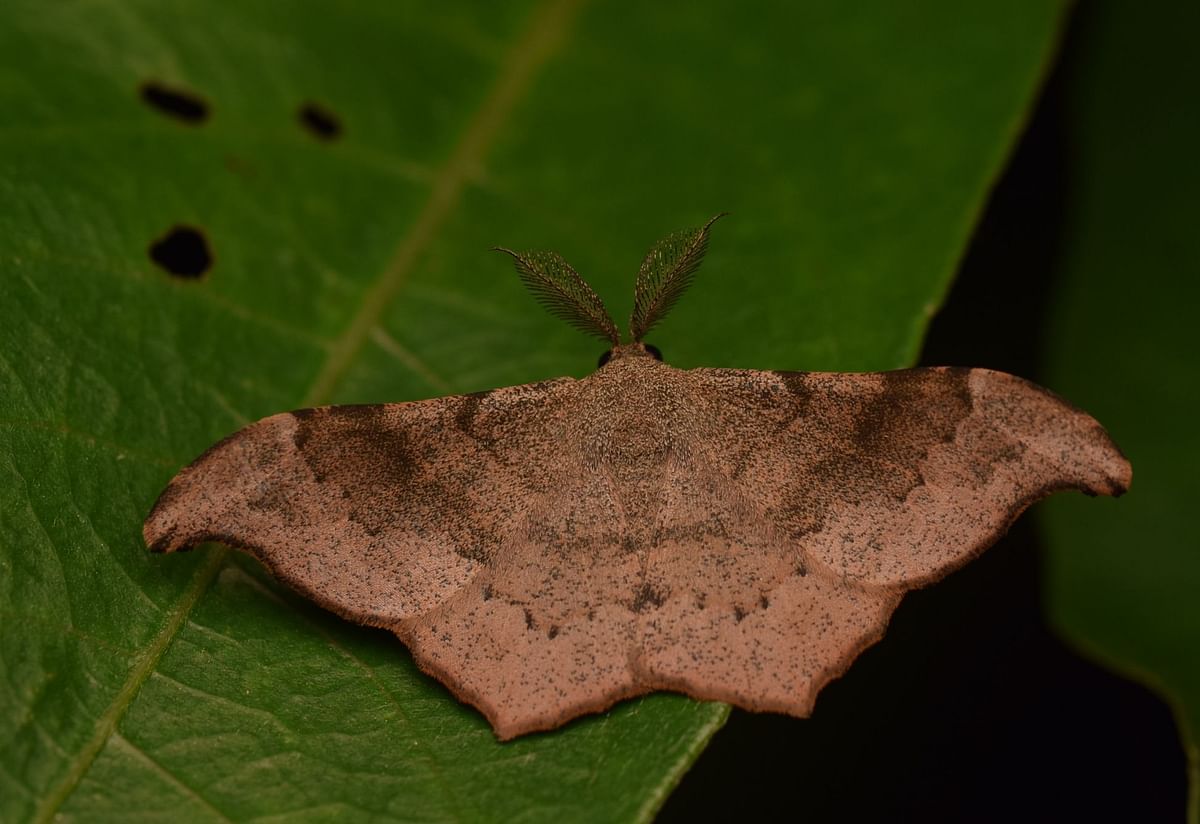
x=630, y=350
x=665, y=274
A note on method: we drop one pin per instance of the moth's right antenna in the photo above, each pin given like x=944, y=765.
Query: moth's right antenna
x=563, y=292
x=666, y=273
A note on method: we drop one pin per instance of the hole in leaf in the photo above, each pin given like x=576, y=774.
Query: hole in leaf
x=175, y=103
x=182, y=252
x=320, y=122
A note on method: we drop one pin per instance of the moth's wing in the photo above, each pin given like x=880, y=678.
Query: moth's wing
x=378, y=513
x=829, y=495
x=896, y=478
x=466, y=525
x=474, y=530
x=547, y=632
x=736, y=612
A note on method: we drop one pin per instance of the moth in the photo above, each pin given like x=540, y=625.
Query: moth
x=550, y=549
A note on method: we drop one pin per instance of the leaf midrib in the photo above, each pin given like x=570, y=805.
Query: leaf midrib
x=548, y=27
x=540, y=40
x=144, y=664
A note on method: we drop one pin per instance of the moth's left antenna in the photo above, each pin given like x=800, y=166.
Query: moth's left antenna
x=563, y=292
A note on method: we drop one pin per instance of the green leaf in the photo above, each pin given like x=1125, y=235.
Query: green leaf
x=854, y=144
x=1124, y=577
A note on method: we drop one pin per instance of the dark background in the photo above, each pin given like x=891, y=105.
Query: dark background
x=970, y=709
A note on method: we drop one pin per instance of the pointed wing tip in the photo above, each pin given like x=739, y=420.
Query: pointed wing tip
x=508, y=732
x=1114, y=468
x=166, y=544
x=1087, y=457
x=155, y=541
x=160, y=531
x=511, y=721
x=507, y=726
x=193, y=507
x=1120, y=481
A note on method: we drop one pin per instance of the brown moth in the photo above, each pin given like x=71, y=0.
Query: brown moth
x=548, y=550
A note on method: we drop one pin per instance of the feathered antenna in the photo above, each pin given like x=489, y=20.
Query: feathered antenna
x=666, y=273
x=563, y=292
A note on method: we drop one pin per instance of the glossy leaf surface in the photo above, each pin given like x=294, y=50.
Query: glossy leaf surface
x=351, y=170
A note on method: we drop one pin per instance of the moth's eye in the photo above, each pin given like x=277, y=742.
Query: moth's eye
x=604, y=358
x=653, y=350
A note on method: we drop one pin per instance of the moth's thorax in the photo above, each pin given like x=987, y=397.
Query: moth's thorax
x=638, y=410
x=633, y=420
x=629, y=351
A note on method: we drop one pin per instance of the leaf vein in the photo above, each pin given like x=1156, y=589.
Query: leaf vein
x=170, y=777
x=540, y=40
x=143, y=666
x=532, y=49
